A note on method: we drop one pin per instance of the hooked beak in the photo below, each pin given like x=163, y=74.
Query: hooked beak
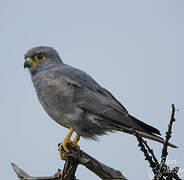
x=28, y=63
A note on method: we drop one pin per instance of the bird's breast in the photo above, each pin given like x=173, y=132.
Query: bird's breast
x=56, y=98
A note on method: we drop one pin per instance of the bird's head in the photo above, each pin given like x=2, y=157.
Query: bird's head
x=41, y=58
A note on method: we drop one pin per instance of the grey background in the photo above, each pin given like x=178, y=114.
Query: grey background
x=132, y=48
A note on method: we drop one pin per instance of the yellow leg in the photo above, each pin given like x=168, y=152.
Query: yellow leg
x=63, y=145
x=75, y=141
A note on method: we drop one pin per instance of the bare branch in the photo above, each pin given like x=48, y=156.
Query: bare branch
x=22, y=175
x=101, y=170
x=70, y=168
x=161, y=170
x=72, y=160
x=151, y=152
x=168, y=135
x=146, y=150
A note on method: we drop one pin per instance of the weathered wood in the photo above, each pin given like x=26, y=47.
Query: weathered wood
x=72, y=160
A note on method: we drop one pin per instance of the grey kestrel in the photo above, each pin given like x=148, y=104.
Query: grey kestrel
x=76, y=101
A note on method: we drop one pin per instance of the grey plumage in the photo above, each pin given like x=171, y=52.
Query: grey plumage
x=73, y=99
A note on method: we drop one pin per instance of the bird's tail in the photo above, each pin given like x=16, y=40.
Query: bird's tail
x=145, y=130
x=155, y=138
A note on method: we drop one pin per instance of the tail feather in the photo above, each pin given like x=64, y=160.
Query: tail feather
x=145, y=131
x=155, y=138
x=147, y=127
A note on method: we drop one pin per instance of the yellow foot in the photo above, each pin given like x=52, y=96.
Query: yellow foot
x=63, y=146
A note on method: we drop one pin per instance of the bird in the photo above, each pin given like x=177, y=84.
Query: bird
x=76, y=101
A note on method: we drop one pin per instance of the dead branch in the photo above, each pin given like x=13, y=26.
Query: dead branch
x=168, y=134
x=72, y=160
x=161, y=170
x=22, y=175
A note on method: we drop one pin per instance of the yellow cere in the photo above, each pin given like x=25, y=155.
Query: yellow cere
x=36, y=59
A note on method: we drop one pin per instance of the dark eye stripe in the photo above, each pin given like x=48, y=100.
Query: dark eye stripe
x=39, y=56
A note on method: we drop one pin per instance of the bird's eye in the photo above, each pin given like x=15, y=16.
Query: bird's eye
x=39, y=56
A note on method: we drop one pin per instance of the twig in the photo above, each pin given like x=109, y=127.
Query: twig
x=142, y=146
x=151, y=152
x=161, y=170
x=171, y=174
x=168, y=135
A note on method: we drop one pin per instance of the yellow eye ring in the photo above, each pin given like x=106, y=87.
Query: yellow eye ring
x=39, y=57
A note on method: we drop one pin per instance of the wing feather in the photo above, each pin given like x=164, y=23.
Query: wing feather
x=90, y=96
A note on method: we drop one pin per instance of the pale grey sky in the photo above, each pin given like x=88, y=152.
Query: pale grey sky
x=132, y=48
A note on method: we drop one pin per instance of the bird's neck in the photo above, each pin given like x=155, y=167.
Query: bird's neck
x=42, y=67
